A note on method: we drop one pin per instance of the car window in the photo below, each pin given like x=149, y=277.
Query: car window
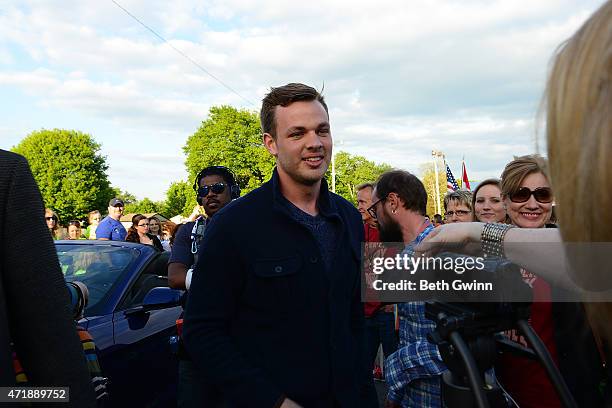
x=155, y=274
x=97, y=266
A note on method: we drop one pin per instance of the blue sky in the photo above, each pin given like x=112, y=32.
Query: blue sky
x=401, y=78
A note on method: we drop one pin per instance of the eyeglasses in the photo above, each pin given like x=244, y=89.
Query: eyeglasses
x=541, y=194
x=51, y=218
x=372, y=209
x=458, y=213
x=216, y=188
x=143, y=225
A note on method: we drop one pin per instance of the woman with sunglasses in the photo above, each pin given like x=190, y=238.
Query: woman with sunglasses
x=487, y=202
x=139, y=232
x=52, y=220
x=528, y=198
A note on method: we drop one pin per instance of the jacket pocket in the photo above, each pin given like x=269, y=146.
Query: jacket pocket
x=276, y=268
x=273, y=284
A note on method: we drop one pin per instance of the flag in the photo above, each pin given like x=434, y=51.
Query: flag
x=451, y=184
x=464, y=176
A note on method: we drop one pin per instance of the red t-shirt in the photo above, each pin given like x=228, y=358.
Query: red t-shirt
x=526, y=380
x=371, y=235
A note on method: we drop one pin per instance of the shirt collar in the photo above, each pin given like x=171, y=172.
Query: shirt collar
x=327, y=207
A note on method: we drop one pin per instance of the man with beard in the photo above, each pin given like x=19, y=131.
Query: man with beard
x=215, y=186
x=413, y=371
x=275, y=318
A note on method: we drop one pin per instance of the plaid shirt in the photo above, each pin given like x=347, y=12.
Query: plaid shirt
x=413, y=371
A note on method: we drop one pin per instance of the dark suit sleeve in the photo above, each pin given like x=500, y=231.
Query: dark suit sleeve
x=214, y=299
x=357, y=321
x=37, y=301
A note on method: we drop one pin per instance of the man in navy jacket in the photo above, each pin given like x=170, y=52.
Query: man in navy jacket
x=274, y=318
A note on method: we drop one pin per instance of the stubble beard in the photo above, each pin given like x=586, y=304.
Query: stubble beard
x=306, y=177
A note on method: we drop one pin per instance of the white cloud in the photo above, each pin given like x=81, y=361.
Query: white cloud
x=400, y=78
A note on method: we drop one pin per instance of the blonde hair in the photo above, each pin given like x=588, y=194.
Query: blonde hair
x=579, y=132
x=462, y=197
x=92, y=214
x=515, y=172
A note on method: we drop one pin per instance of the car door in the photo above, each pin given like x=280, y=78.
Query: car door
x=145, y=371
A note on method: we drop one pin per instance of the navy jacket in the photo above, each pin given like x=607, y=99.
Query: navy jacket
x=265, y=320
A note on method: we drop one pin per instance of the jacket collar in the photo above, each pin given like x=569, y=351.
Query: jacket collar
x=327, y=207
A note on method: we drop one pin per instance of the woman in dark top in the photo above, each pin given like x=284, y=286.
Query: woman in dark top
x=139, y=232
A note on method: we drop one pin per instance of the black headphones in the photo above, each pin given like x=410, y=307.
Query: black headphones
x=223, y=172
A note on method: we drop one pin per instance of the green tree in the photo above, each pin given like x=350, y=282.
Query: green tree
x=69, y=171
x=180, y=199
x=428, y=177
x=125, y=196
x=232, y=138
x=144, y=206
x=352, y=171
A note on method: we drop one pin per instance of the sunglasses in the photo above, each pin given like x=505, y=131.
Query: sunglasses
x=51, y=218
x=372, y=209
x=216, y=188
x=541, y=194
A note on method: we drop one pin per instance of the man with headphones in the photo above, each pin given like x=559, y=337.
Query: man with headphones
x=215, y=187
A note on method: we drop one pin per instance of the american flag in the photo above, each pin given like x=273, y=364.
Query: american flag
x=451, y=184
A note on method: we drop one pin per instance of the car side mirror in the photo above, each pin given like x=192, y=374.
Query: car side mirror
x=162, y=297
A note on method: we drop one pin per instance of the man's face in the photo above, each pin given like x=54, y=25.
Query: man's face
x=364, y=201
x=303, y=144
x=213, y=202
x=388, y=229
x=115, y=212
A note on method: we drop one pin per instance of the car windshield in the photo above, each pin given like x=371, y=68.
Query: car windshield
x=97, y=266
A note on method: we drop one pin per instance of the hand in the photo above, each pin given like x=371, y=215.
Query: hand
x=461, y=237
x=391, y=404
x=287, y=403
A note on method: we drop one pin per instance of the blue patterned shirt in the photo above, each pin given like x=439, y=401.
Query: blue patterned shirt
x=413, y=371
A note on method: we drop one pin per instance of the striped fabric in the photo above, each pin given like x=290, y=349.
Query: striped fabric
x=89, y=348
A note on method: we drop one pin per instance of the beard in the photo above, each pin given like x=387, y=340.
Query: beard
x=390, y=231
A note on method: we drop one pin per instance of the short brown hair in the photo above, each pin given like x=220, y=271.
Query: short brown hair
x=285, y=96
x=407, y=186
x=515, y=172
x=462, y=197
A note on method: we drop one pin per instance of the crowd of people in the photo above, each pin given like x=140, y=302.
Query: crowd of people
x=273, y=315
x=146, y=230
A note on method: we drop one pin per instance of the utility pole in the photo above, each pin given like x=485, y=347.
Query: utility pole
x=436, y=156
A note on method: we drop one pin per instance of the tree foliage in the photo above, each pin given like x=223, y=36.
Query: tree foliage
x=144, y=206
x=352, y=171
x=232, y=138
x=428, y=177
x=180, y=199
x=69, y=171
x=125, y=196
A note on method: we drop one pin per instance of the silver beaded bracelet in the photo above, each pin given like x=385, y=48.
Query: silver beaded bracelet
x=492, y=239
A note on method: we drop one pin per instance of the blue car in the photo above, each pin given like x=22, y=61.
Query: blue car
x=131, y=315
